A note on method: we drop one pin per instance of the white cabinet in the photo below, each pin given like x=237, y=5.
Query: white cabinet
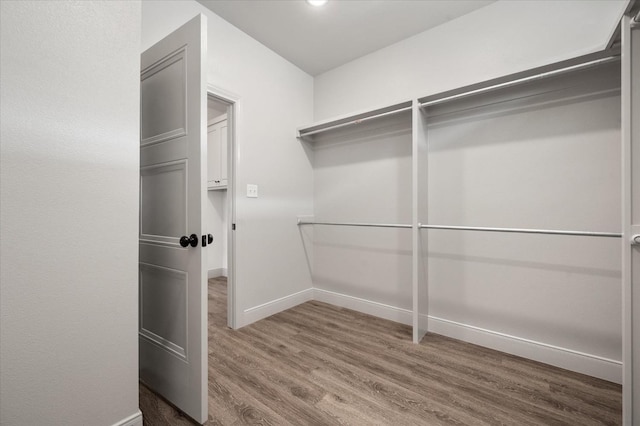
x=217, y=153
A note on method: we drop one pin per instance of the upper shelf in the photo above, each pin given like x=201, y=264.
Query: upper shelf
x=489, y=89
x=352, y=119
x=528, y=77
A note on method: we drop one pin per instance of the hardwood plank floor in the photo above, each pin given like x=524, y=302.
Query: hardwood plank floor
x=318, y=364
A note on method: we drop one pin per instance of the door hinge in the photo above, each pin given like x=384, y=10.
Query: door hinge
x=233, y=226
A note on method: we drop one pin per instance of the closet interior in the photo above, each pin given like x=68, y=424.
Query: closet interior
x=491, y=214
x=362, y=195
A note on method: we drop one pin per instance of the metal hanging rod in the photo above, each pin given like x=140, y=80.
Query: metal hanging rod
x=302, y=133
x=371, y=225
x=505, y=82
x=525, y=231
x=471, y=228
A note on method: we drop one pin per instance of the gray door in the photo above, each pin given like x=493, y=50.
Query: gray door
x=172, y=280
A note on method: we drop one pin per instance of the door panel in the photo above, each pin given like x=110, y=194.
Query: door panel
x=172, y=278
x=166, y=80
x=164, y=290
x=163, y=192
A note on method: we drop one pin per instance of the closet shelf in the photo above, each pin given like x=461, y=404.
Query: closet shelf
x=517, y=79
x=352, y=119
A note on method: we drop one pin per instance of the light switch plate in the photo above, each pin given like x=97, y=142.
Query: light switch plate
x=252, y=191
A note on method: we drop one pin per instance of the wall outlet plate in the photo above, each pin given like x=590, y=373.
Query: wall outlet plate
x=252, y=191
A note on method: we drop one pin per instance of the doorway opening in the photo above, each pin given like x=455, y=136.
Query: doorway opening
x=219, y=211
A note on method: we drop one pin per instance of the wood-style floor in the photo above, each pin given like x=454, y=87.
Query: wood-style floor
x=318, y=364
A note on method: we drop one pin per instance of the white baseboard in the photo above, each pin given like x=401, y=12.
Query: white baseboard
x=592, y=365
x=270, y=308
x=133, y=420
x=215, y=273
x=568, y=359
x=392, y=313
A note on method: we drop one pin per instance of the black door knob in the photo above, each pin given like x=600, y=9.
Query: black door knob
x=209, y=238
x=191, y=240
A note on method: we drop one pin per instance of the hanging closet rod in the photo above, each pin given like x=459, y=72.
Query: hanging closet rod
x=471, y=228
x=371, y=225
x=509, y=81
x=525, y=231
x=303, y=133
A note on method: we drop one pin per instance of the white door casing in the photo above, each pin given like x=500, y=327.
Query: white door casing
x=234, y=112
x=172, y=278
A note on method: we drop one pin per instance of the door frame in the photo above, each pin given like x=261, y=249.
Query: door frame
x=233, y=102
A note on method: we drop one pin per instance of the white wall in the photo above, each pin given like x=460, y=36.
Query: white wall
x=217, y=226
x=502, y=38
x=275, y=97
x=215, y=109
x=363, y=174
x=69, y=212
